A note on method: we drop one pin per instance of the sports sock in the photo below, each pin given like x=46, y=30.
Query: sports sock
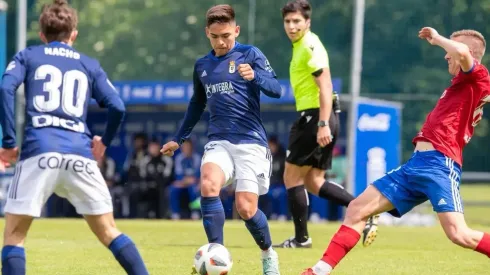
x=484, y=245
x=13, y=260
x=127, y=255
x=335, y=193
x=298, y=205
x=259, y=228
x=213, y=218
x=342, y=242
x=322, y=268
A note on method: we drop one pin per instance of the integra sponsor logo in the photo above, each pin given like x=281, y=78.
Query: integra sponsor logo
x=55, y=162
x=222, y=88
x=377, y=123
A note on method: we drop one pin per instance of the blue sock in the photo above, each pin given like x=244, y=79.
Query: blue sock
x=13, y=260
x=213, y=218
x=127, y=255
x=259, y=228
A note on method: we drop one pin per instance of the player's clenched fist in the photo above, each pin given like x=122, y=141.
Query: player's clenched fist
x=169, y=148
x=246, y=72
x=428, y=33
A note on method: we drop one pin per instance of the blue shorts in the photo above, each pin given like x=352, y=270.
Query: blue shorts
x=426, y=176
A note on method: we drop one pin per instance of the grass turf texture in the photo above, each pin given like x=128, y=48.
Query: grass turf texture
x=66, y=246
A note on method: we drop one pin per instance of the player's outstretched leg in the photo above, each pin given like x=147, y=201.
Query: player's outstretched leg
x=121, y=246
x=13, y=253
x=212, y=211
x=370, y=202
x=256, y=223
x=334, y=192
x=459, y=233
x=316, y=184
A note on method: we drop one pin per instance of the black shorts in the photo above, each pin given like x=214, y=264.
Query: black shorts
x=303, y=149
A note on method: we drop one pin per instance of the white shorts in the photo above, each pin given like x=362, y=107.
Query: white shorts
x=247, y=165
x=73, y=177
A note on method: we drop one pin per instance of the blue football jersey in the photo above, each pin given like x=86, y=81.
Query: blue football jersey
x=233, y=103
x=59, y=83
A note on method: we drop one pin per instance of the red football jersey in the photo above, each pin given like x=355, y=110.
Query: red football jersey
x=450, y=125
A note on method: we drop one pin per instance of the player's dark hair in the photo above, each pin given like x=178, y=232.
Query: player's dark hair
x=220, y=14
x=303, y=6
x=58, y=20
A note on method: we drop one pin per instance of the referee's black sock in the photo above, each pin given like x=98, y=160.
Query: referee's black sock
x=335, y=193
x=298, y=204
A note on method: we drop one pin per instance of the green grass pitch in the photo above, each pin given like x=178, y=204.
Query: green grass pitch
x=66, y=246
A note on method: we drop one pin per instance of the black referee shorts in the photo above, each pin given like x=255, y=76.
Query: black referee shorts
x=303, y=149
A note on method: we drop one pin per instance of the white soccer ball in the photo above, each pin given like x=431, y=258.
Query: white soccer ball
x=213, y=259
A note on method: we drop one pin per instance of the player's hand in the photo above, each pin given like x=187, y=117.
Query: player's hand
x=246, y=72
x=169, y=148
x=7, y=157
x=324, y=136
x=98, y=148
x=429, y=34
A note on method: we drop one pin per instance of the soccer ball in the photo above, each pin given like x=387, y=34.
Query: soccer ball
x=212, y=259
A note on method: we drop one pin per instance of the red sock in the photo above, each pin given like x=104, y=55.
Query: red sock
x=484, y=245
x=342, y=242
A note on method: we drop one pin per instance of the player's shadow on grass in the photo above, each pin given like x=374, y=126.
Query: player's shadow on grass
x=195, y=245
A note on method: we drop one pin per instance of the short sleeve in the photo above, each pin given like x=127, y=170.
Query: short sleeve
x=317, y=56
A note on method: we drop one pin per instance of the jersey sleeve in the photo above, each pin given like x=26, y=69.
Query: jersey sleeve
x=265, y=77
x=194, y=111
x=107, y=97
x=13, y=77
x=261, y=64
x=317, y=56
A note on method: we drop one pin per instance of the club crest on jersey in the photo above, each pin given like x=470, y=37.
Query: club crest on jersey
x=232, y=67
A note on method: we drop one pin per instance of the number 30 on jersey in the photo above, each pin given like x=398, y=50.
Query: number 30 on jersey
x=73, y=107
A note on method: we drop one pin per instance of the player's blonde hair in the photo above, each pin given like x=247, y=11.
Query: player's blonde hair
x=479, y=47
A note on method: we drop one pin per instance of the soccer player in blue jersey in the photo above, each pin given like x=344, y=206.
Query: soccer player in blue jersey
x=58, y=154
x=229, y=80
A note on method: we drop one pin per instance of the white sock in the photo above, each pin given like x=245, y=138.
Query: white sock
x=322, y=268
x=267, y=253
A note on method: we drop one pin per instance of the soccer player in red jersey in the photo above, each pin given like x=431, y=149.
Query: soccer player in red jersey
x=434, y=170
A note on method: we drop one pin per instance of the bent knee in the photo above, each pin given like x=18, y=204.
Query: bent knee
x=246, y=205
x=246, y=212
x=357, y=212
x=314, y=181
x=210, y=187
x=212, y=179
x=461, y=236
x=294, y=175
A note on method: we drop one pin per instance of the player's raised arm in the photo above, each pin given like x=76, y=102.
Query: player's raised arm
x=12, y=78
x=264, y=75
x=107, y=97
x=457, y=50
x=194, y=111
